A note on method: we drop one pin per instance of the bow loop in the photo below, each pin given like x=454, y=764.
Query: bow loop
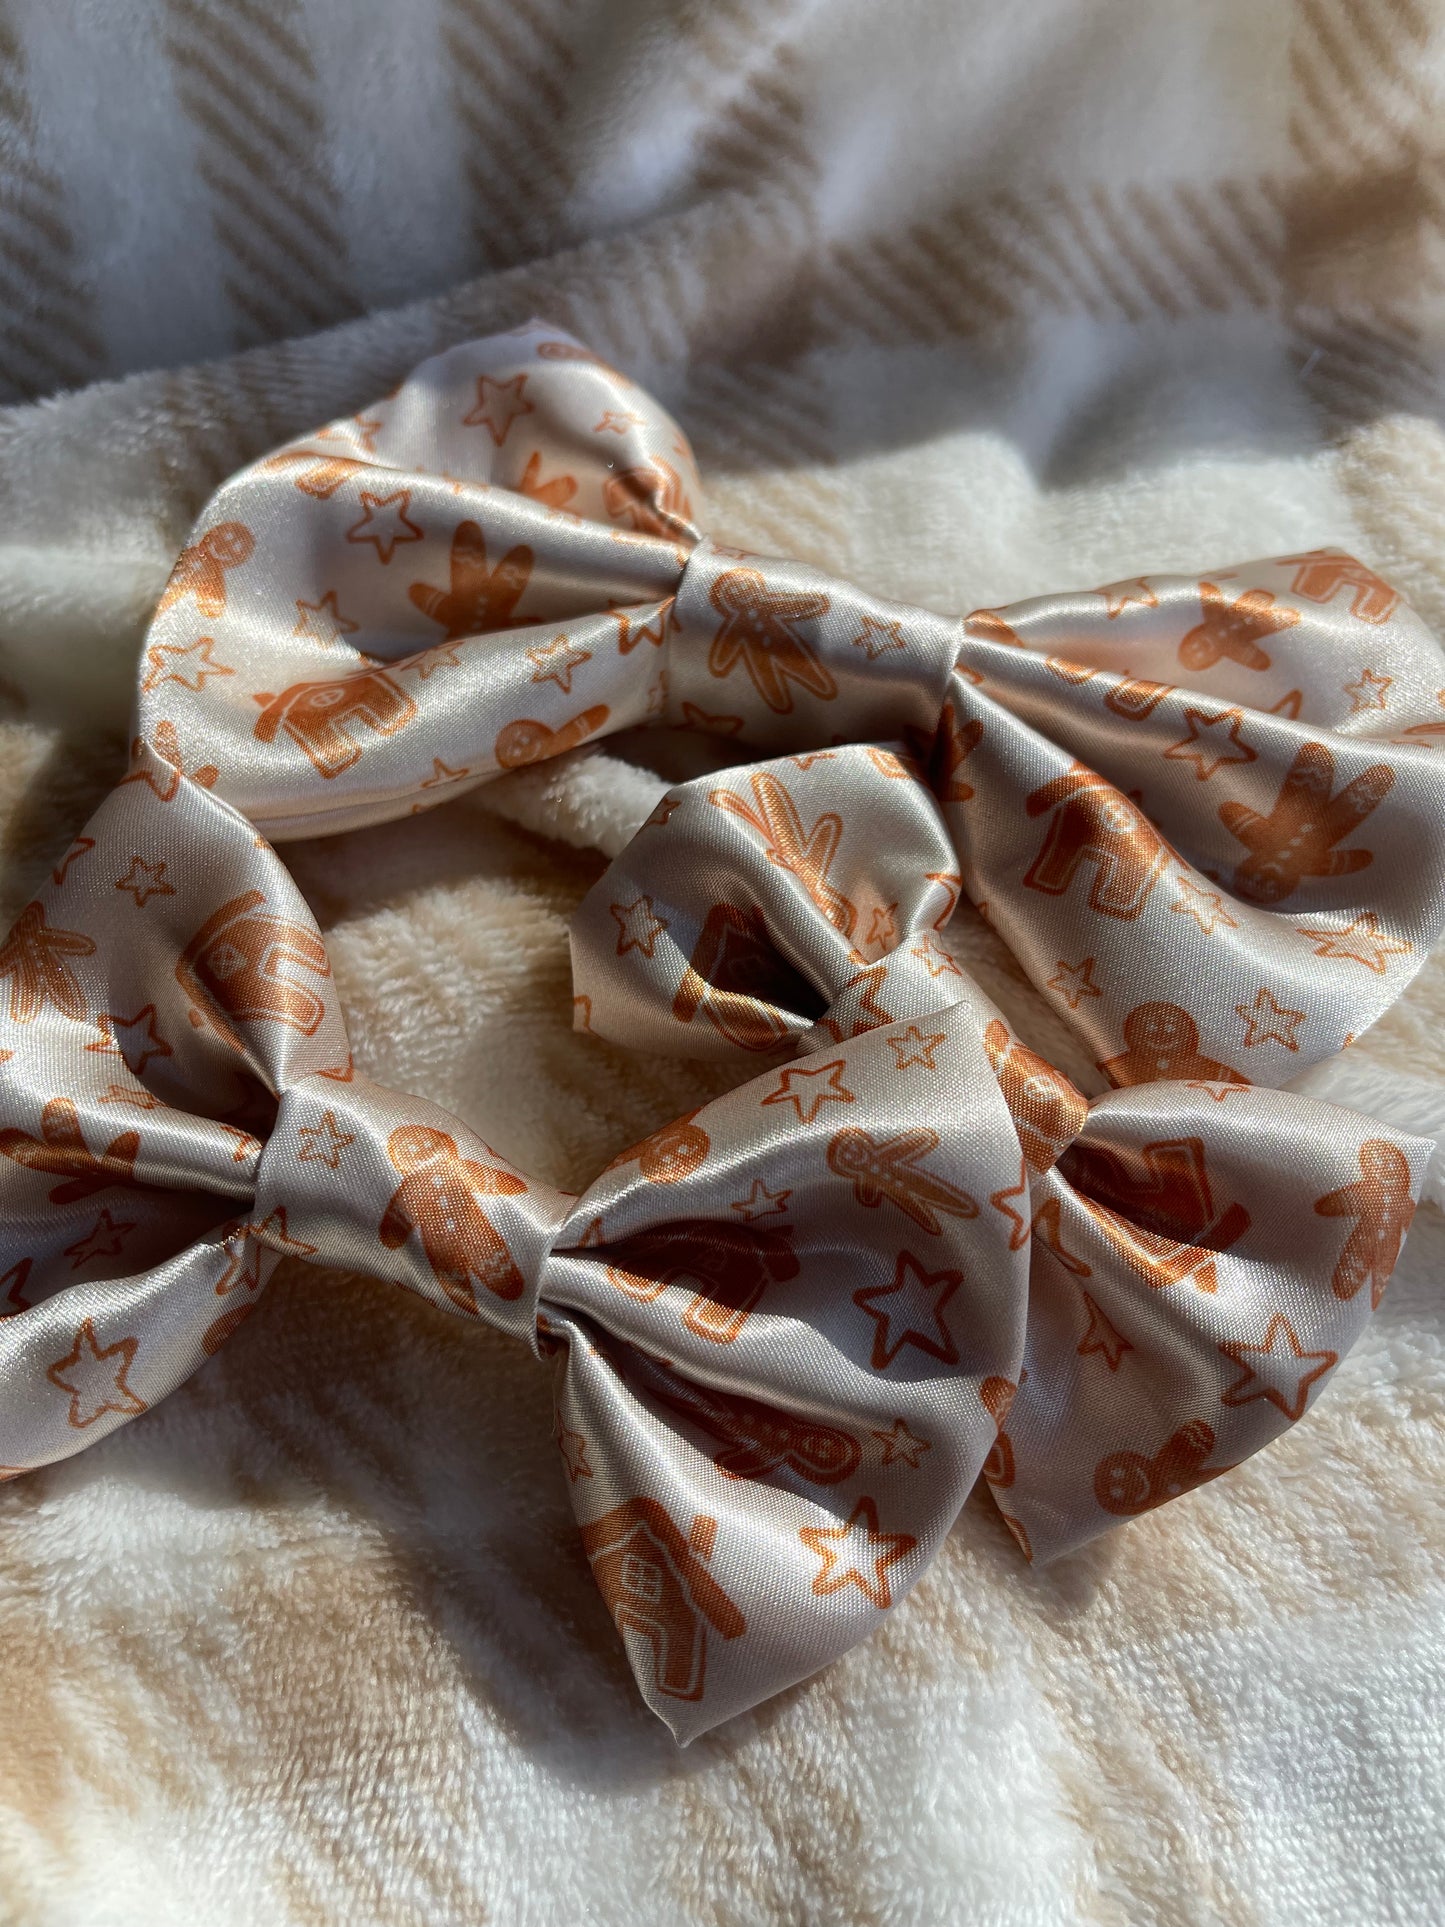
x=790, y=905
x=1221, y=778
x=1153, y=1237
x=819, y=903
x=790, y=1329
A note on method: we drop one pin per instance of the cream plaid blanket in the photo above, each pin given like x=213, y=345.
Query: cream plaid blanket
x=965, y=303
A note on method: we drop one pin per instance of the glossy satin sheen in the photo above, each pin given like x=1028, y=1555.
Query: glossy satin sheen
x=1220, y=794
x=788, y=1332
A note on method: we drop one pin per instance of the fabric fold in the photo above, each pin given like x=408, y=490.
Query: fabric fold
x=789, y=1331
x=1219, y=793
x=807, y=897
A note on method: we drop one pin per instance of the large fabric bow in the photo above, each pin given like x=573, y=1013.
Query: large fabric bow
x=789, y=1331
x=1215, y=792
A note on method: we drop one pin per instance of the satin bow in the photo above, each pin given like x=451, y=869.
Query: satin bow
x=788, y=1331
x=1220, y=794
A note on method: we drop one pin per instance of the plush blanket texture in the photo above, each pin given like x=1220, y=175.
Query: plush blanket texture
x=966, y=302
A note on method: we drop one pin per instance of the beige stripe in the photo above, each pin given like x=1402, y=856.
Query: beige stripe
x=511, y=65
x=250, y=91
x=48, y=339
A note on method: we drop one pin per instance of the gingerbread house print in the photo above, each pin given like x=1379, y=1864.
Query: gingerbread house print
x=660, y=1593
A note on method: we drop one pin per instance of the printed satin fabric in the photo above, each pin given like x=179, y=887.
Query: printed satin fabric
x=1219, y=797
x=752, y=903
x=788, y=1332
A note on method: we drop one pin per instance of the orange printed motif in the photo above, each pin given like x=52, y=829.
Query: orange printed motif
x=1234, y=629
x=650, y=499
x=1101, y=1337
x=1379, y=1201
x=806, y=854
x=1126, y=1483
x=62, y=1151
x=33, y=958
x=480, y=599
x=555, y=493
x=638, y=926
x=631, y=634
x=1048, y=1111
x=169, y=662
x=82, y=846
x=1094, y=824
x=944, y=754
x=728, y=1266
x=385, y=523
x=998, y=1395
x=659, y=1592
x=736, y=980
x=757, y=630
x=669, y=1155
x=1135, y=697
x=93, y=1376
x=528, y=741
x=759, y=1441
x=1156, y=1209
x=14, y=1283
x=200, y=570
x=105, y=1239
x=807, y=1089
x=245, y=962
x=1162, y=1040
x=1118, y=596
x=313, y=715
x=1285, y=1372
x=988, y=625
x=857, y=1554
x=909, y=1311
x=166, y=742
x=892, y=1168
x=439, y=1197
x=499, y=404
x=1297, y=839
x=1320, y=574
x=323, y=475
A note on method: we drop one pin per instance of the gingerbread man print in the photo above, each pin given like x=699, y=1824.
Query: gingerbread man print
x=440, y=1198
x=480, y=599
x=758, y=631
x=1234, y=629
x=33, y=959
x=61, y=1150
x=1127, y=1482
x=1162, y=1041
x=1381, y=1205
x=1297, y=840
x=200, y=570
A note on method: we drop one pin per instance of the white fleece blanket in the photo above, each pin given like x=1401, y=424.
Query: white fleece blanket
x=964, y=303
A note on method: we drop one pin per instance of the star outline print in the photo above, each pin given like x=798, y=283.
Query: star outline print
x=88, y=1356
x=849, y=1550
x=1295, y=1405
x=807, y=1101
x=385, y=533
x=911, y=1285
x=499, y=405
x=638, y=926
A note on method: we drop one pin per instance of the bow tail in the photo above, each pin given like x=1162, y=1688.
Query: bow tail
x=1195, y=1280
x=84, y=1360
x=740, y=1547
x=1128, y=855
x=779, y=1368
